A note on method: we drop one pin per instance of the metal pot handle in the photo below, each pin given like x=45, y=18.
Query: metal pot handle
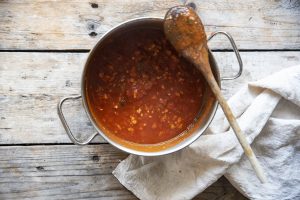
x=66, y=126
x=236, y=51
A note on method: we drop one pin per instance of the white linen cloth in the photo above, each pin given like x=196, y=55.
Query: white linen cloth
x=268, y=112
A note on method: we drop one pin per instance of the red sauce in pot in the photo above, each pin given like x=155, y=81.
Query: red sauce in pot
x=139, y=89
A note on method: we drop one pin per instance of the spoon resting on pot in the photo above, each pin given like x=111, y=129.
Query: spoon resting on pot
x=185, y=31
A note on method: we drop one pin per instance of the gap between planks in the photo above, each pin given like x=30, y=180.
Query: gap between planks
x=48, y=144
x=88, y=50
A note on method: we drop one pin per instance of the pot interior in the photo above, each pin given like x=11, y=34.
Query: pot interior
x=97, y=71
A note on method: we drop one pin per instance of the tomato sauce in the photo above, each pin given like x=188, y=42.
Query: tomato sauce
x=139, y=89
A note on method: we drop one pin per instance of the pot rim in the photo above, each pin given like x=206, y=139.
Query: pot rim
x=185, y=142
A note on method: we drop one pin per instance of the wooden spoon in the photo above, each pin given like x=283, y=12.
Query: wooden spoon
x=185, y=31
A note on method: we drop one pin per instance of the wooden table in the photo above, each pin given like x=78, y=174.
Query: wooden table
x=43, y=46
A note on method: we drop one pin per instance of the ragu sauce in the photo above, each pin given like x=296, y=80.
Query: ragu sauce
x=139, y=89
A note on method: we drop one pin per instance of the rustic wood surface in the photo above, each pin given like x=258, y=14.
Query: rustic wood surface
x=73, y=172
x=31, y=85
x=43, y=46
x=44, y=24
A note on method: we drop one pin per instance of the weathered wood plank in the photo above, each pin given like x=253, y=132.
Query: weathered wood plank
x=31, y=85
x=67, y=24
x=44, y=24
x=72, y=172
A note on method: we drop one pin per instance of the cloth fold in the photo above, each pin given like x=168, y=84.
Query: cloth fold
x=268, y=112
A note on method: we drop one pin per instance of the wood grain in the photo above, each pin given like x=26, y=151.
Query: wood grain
x=73, y=172
x=46, y=24
x=31, y=85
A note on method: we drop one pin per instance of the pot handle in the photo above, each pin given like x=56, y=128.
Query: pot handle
x=66, y=126
x=236, y=51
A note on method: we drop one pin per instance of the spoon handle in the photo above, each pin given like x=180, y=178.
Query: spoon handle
x=236, y=128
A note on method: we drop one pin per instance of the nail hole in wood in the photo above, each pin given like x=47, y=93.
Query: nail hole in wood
x=93, y=34
x=91, y=26
x=95, y=158
x=94, y=5
x=40, y=168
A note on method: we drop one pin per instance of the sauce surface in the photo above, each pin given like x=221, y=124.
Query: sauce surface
x=139, y=89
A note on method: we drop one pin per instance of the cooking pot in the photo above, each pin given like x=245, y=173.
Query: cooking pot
x=207, y=111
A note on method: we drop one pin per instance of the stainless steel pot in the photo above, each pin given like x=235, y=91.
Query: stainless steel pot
x=207, y=112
